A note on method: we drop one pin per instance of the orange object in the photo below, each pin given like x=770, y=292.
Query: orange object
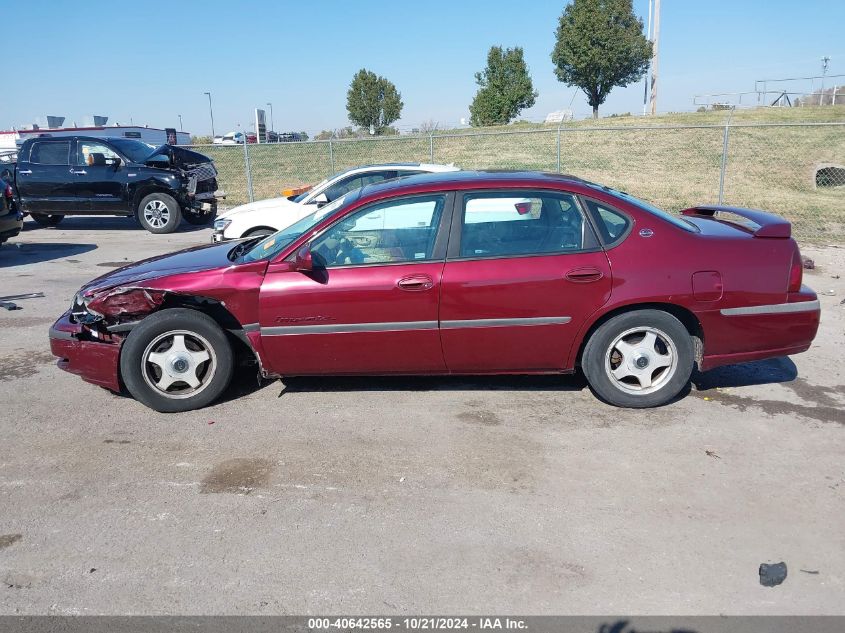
x=295, y=191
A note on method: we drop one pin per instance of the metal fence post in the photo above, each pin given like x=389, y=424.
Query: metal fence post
x=248, y=170
x=558, y=146
x=331, y=157
x=724, y=163
x=431, y=147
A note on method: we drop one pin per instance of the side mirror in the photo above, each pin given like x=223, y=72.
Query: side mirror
x=321, y=200
x=304, y=263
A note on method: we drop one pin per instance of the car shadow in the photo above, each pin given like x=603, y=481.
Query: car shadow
x=99, y=222
x=556, y=382
x=761, y=372
x=20, y=254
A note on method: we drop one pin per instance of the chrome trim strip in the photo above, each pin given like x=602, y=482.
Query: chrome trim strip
x=450, y=325
x=346, y=328
x=777, y=308
x=251, y=327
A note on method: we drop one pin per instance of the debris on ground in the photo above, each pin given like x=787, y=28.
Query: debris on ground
x=772, y=575
x=808, y=263
x=9, y=305
x=712, y=454
x=27, y=295
x=814, y=572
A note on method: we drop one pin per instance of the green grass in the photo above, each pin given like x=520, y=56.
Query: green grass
x=767, y=167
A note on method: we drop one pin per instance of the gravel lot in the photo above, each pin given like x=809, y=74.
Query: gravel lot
x=415, y=495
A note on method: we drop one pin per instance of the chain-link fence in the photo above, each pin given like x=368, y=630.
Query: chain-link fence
x=796, y=170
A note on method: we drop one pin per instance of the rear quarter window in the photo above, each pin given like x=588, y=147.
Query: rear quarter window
x=50, y=153
x=612, y=225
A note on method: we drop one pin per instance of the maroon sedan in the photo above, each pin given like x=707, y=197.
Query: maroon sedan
x=456, y=273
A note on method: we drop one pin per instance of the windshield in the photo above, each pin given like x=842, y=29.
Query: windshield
x=274, y=244
x=136, y=151
x=650, y=208
x=313, y=190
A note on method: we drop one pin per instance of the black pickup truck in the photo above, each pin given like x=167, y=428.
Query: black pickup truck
x=80, y=175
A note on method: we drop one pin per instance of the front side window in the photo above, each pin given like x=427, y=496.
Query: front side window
x=351, y=183
x=389, y=232
x=522, y=223
x=50, y=153
x=86, y=150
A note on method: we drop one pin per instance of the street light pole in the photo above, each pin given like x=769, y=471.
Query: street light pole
x=210, y=112
x=272, y=128
x=181, y=129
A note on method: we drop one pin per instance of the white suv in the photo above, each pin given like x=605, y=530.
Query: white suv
x=264, y=217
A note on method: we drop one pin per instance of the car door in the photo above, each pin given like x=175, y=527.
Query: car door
x=97, y=179
x=370, y=305
x=524, y=270
x=44, y=179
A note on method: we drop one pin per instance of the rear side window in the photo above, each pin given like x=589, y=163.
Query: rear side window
x=50, y=153
x=611, y=224
x=514, y=223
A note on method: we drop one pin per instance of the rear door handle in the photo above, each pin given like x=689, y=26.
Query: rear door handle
x=584, y=275
x=24, y=171
x=415, y=282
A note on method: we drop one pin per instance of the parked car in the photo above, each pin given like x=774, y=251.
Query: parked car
x=79, y=175
x=567, y=275
x=264, y=217
x=234, y=138
x=11, y=218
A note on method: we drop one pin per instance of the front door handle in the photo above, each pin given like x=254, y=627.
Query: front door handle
x=81, y=171
x=584, y=275
x=415, y=282
x=24, y=171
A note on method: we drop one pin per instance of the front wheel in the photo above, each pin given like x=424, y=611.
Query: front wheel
x=639, y=359
x=45, y=219
x=176, y=360
x=159, y=213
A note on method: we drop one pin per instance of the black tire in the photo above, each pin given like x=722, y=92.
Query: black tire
x=151, y=337
x=261, y=231
x=602, y=358
x=45, y=219
x=159, y=213
x=200, y=219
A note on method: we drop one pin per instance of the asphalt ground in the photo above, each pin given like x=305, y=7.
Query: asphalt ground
x=409, y=495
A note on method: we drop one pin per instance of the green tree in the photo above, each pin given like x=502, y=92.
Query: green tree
x=373, y=101
x=600, y=45
x=505, y=88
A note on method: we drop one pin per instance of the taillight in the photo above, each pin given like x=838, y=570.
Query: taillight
x=796, y=272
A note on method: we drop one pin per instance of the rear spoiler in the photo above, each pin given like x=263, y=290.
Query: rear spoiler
x=760, y=223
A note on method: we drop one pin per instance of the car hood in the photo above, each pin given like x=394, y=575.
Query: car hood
x=198, y=258
x=179, y=156
x=271, y=204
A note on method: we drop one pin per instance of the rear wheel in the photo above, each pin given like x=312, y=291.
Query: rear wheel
x=176, y=360
x=159, y=213
x=639, y=359
x=45, y=219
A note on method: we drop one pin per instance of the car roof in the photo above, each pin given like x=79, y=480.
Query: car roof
x=429, y=167
x=479, y=179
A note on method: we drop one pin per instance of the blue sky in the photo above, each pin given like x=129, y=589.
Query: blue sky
x=151, y=61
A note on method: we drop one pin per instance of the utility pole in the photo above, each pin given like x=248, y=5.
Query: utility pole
x=656, y=43
x=272, y=129
x=211, y=112
x=825, y=62
x=181, y=129
x=648, y=37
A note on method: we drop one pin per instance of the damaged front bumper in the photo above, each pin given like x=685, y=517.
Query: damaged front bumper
x=86, y=352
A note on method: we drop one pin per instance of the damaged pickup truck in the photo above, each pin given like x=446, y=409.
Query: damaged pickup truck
x=79, y=175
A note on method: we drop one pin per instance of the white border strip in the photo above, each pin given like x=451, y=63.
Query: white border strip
x=450, y=325
x=777, y=308
x=347, y=328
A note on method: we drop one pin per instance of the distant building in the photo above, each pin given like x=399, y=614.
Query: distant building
x=154, y=136
x=559, y=116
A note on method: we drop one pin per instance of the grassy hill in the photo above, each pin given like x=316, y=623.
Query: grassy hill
x=673, y=160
